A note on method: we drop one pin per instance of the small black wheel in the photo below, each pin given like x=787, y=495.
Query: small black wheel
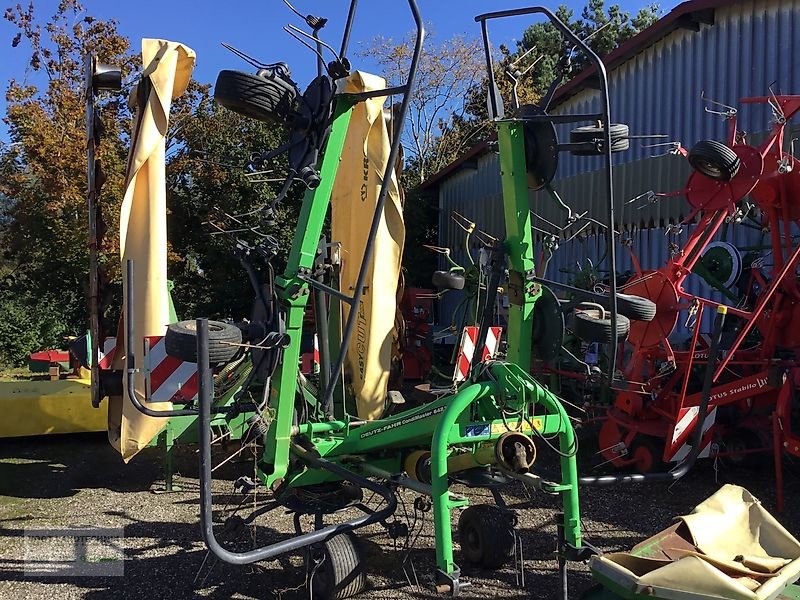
x=592, y=326
x=338, y=568
x=592, y=136
x=486, y=534
x=714, y=159
x=181, y=341
x=265, y=97
x=635, y=308
x=739, y=445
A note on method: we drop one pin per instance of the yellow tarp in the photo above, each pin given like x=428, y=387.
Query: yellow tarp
x=355, y=194
x=742, y=553
x=143, y=227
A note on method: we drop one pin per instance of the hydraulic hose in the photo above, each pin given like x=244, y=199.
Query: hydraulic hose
x=205, y=392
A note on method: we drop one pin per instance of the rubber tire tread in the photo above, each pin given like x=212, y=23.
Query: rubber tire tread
x=260, y=98
x=718, y=153
x=343, y=553
x=589, y=327
x=495, y=532
x=589, y=133
x=181, y=341
x=636, y=308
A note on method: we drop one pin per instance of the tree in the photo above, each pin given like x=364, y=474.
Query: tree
x=437, y=128
x=604, y=30
x=43, y=219
x=43, y=182
x=206, y=180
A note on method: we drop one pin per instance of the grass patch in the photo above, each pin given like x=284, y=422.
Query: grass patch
x=20, y=373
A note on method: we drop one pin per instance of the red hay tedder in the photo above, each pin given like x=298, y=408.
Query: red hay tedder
x=654, y=411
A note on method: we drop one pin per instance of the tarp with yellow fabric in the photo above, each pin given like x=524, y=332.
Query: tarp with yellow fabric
x=355, y=194
x=729, y=548
x=167, y=71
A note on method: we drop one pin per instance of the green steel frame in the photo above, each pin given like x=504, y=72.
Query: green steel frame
x=474, y=414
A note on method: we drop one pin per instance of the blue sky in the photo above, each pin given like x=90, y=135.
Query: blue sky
x=255, y=26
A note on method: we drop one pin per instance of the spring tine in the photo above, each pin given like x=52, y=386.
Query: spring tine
x=438, y=249
x=577, y=233
x=648, y=194
x=463, y=222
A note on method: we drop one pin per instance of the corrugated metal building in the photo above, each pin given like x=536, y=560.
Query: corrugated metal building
x=728, y=50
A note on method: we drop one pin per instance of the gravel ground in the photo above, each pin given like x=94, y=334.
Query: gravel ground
x=70, y=481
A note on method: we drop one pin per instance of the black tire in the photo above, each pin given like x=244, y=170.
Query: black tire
x=714, y=159
x=340, y=573
x=181, y=341
x=486, y=535
x=635, y=308
x=590, y=327
x=548, y=326
x=738, y=445
x=592, y=136
x=264, y=98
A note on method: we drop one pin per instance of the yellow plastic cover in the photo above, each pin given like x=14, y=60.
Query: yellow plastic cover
x=355, y=194
x=143, y=230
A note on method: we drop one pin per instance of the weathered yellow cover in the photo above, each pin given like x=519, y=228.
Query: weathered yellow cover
x=143, y=230
x=355, y=194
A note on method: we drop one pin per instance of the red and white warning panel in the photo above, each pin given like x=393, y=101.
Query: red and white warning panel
x=107, y=352
x=687, y=421
x=467, y=349
x=167, y=379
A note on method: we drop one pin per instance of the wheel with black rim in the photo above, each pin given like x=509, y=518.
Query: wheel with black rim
x=266, y=97
x=714, y=159
x=592, y=139
x=337, y=568
x=593, y=325
x=486, y=534
x=181, y=341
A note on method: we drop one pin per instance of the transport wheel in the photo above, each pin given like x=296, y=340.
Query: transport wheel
x=261, y=97
x=635, y=308
x=592, y=326
x=592, y=136
x=548, y=326
x=647, y=451
x=486, y=534
x=337, y=570
x=738, y=445
x=181, y=341
x=714, y=159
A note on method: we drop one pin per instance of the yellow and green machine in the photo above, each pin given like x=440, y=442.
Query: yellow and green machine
x=324, y=443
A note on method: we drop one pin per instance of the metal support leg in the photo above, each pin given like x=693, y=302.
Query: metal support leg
x=561, y=549
x=777, y=448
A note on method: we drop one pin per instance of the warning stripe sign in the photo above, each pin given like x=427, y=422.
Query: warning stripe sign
x=107, y=352
x=467, y=349
x=682, y=432
x=167, y=379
